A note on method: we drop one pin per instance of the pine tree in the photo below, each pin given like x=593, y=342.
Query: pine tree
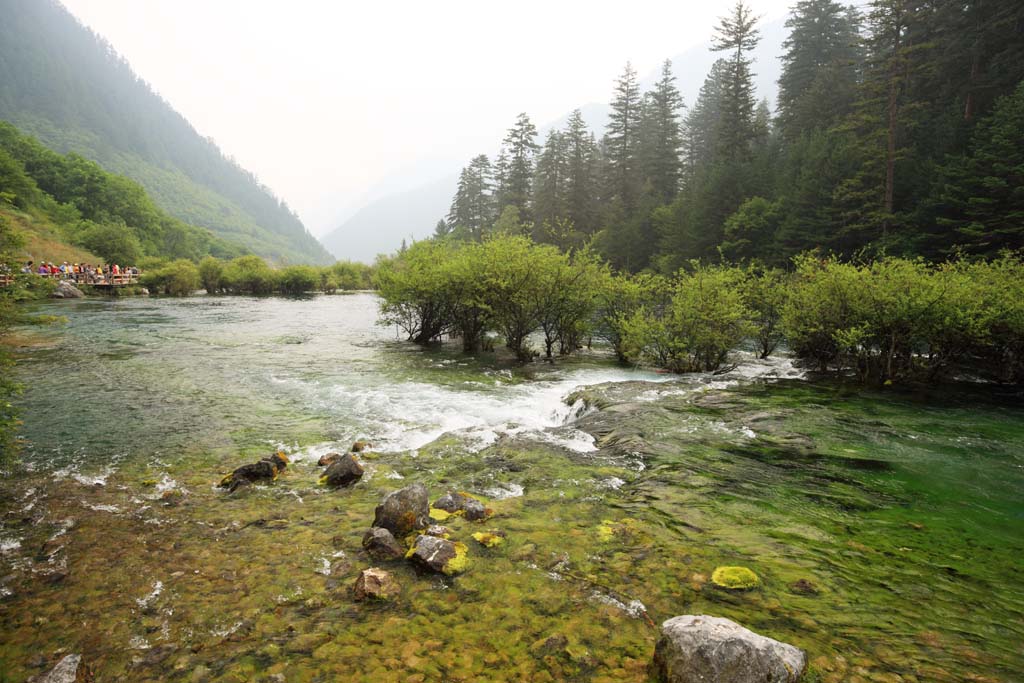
x=472, y=211
x=660, y=136
x=820, y=66
x=736, y=34
x=898, y=54
x=983, y=194
x=581, y=174
x=621, y=140
x=550, y=199
x=703, y=121
x=521, y=147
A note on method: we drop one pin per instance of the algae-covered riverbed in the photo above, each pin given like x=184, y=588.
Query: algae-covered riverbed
x=886, y=529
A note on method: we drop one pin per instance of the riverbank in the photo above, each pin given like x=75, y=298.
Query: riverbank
x=885, y=529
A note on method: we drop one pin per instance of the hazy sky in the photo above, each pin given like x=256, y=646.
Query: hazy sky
x=323, y=99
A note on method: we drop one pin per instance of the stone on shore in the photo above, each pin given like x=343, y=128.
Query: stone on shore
x=344, y=471
x=459, y=503
x=404, y=511
x=66, y=290
x=703, y=649
x=375, y=584
x=381, y=545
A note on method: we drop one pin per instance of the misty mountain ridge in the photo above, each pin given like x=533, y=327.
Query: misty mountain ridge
x=65, y=85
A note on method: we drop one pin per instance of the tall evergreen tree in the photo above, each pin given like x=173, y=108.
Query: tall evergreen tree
x=703, y=121
x=550, y=197
x=581, y=174
x=472, y=211
x=737, y=34
x=520, y=148
x=660, y=136
x=621, y=140
x=820, y=66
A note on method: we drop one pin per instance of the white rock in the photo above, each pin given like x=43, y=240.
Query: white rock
x=703, y=649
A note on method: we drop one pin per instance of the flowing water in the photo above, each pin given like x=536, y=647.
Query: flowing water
x=887, y=529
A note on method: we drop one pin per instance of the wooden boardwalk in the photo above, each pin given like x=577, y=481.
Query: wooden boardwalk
x=82, y=280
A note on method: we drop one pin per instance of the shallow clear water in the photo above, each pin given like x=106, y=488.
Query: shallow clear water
x=904, y=512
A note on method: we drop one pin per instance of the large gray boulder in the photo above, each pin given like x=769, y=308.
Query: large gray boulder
x=404, y=510
x=703, y=649
x=66, y=290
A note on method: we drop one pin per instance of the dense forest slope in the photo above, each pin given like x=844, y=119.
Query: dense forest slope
x=67, y=208
x=65, y=85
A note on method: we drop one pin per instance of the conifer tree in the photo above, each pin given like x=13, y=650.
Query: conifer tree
x=551, y=201
x=820, y=66
x=737, y=35
x=621, y=140
x=581, y=174
x=472, y=211
x=520, y=148
x=660, y=136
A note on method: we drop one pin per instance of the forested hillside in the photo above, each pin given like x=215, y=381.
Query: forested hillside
x=65, y=85
x=67, y=199
x=898, y=130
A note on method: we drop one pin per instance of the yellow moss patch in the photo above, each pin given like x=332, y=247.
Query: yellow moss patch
x=149, y=482
x=439, y=515
x=606, y=531
x=488, y=540
x=735, y=578
x=460, y=562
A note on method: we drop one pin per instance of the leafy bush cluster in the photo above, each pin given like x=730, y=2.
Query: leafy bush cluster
x=889, y=320
x=507, y=285
x=252, y=275
x=896, y=319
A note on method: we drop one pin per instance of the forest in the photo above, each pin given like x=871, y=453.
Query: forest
x=109, y=215
x=897, y=130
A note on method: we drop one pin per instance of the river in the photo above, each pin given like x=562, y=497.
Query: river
x=886, y=528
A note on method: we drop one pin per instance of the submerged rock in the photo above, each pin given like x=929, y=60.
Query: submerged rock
x=66, y=290
x=803, y=587
x=375, y=584
x=360, y=446
x=71, y=669
x=328, y=458
x=438, y=530
x=266, y=469
x=450, y=502
x=345, y=471
x=703, y=649
x=460, y=503
x=381, y=545
x=440, y=555
x=404, y=510
x=735, y=578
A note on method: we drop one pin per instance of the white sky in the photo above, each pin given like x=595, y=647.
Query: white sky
x=323, y=99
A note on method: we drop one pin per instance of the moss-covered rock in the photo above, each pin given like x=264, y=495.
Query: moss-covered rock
x=735, y=578
x=439, y=555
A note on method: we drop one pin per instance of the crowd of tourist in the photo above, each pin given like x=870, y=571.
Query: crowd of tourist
x=83, y=273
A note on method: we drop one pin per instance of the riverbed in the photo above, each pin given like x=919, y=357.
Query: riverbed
x=886, y=527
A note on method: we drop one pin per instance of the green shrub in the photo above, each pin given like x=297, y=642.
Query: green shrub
x=248, y=275
x=705, y=319
x=296, y=280
x=178, y=278
x=211, y=274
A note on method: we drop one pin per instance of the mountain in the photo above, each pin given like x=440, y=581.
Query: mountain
x=68, y=87
x=383, y=222
x=380, y=226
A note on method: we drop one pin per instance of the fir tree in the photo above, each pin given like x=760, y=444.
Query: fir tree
x=621, y=139
x=736, y=34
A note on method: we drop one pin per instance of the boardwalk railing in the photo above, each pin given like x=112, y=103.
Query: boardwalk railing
x=92, y=279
